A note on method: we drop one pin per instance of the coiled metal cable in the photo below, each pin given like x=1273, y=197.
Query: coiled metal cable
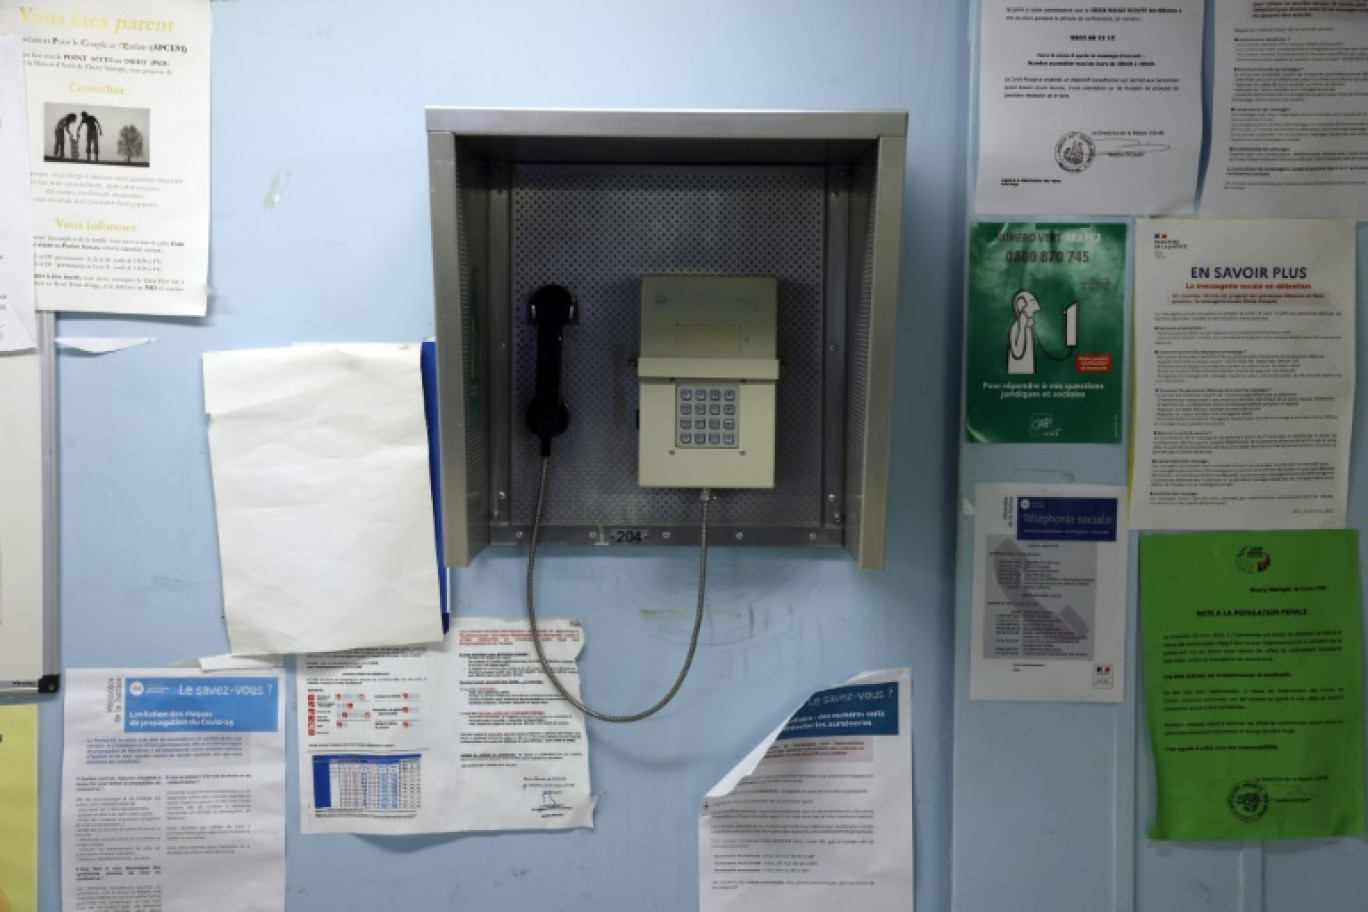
x=706, y=496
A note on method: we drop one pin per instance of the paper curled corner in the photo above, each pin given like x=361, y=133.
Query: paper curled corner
x=238, y=663
x=97, y=345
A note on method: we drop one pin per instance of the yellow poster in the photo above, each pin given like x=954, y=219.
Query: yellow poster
x=18, y=809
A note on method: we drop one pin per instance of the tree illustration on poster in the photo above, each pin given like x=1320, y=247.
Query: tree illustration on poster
x=130, y=142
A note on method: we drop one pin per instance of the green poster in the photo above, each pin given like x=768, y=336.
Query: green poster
x=1045, y=333
x=1254, y=683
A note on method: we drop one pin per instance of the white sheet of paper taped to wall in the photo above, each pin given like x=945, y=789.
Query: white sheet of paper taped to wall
x=464, y=736
x=18, y=323
x=819, y=815
x=325, y=519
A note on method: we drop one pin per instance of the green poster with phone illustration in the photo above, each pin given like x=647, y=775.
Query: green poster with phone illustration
x=1045, y=332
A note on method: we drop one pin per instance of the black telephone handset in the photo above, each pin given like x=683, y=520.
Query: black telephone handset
x=551, y=308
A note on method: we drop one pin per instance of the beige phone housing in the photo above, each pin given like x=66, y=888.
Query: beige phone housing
x=708, y=371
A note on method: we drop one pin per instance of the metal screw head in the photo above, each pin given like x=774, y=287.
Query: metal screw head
x=812, y=536
x=517, y=535
x=593, y=535
x=831, y=498
x=665, y=536
x=740, y=535
x=503, y=495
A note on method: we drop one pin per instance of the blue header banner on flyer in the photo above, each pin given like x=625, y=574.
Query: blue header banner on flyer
x=842, y=712
x=1066, y=519
x=200, y=704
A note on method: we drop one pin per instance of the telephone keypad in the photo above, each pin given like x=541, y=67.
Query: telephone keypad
x=706, y=414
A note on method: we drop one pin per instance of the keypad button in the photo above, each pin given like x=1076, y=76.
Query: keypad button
x=700, y=424
x=727, y=409
x=714, y=410
x=686, y=410
x=684, y=423
x=685, y=395
x=714, y=439
x=729, y=439
x=715, y=395
x=728, y=424
x=685, y=439
x=714, y=424
x=700, y=394
x=730, y=395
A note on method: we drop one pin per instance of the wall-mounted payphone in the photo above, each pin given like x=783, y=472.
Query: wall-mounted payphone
x=604, y=203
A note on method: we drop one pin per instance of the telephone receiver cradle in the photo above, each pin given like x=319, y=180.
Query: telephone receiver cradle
x=550, y=309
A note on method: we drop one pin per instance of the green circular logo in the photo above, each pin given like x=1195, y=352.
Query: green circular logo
x=1248, y=800
x=1253, y=559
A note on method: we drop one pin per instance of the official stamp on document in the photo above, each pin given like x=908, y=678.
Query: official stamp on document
x=1248, y=800
x=1075, y=152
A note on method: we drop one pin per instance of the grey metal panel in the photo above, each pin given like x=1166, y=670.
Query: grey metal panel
x=858, y=295
x=659, y=149
x=694, y=124
x=473, y=205
x=883, y=305
x=460, y=519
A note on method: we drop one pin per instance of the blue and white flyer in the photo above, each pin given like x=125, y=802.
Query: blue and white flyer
x=1049, y=608
x=173, y=791
x=819, y=815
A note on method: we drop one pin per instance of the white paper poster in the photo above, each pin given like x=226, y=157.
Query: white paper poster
x=118, y=117
x=468, y=735
x=18, y=329
x=819, y=815
x=1288, y=119
x=1049, y=608
x=1244, y=374
x=324, y=504
x=1087, y=109
x=173, y=791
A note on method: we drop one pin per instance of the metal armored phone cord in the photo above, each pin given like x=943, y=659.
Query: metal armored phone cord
x=706, y=496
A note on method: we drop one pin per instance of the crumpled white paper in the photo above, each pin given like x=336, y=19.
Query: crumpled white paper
x=325, y=515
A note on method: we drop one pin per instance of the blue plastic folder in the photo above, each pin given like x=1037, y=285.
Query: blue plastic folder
x=429, y=369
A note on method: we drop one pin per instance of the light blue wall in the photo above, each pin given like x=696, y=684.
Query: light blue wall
x=320, y=232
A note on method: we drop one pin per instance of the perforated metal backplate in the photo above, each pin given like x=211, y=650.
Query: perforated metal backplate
x=597, y=229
